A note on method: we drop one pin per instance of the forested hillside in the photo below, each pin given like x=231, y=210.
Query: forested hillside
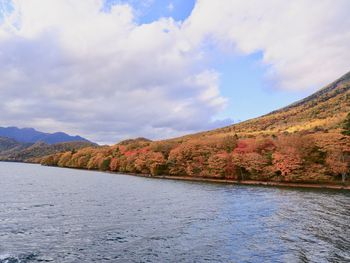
x=12, y=150
x=307, y=141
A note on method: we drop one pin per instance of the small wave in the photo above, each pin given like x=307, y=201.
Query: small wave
x=23, y=258
x=42, y=205
x=117, y=239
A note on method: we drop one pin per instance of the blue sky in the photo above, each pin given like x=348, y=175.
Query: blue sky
x=243, y=81
x=115, y=69
x=151, y=10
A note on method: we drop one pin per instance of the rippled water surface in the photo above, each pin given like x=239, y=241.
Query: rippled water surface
x=62, y=215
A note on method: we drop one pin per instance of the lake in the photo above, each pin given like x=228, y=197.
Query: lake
x=52, y=214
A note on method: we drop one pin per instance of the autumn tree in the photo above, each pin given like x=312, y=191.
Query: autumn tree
x=114, y=165
x=221, y=165
x=287, y=162
x=254, y=163
x=65, y=159
x=163, y=147
x=140, y=164
x=81, y=158
x=191, y=158
x=229, y=143
x=338, y=163
x=96, y=161
x=156, y=163
x=288, y=159
x=51, y=160
x=237, y=159
x=298, y=157
x=103, y=165
x=216, y=164
x=252, y=156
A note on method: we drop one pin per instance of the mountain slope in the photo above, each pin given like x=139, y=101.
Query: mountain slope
x=8, y=145
x=30, y=135
x=303, y=142
x=11, y=150
x=323, y=110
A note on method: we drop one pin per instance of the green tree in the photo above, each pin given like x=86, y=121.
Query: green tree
x=229, y=143
x=346, y=126
x=104, y=165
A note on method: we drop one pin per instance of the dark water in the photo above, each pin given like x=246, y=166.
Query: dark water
x=61, y=215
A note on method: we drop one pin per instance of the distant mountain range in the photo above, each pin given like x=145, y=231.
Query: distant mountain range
x=30, y=135
x=26, y=144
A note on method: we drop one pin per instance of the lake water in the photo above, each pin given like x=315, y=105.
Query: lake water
x=65, y=215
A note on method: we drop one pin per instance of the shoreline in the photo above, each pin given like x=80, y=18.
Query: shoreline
x=330, y=186
x=247, y=182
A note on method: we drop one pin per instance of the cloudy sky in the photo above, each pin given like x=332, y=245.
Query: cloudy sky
x=110, y=70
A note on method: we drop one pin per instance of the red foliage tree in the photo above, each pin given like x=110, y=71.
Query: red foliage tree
x=338, y=163
x=221, y=165
x=114, y=164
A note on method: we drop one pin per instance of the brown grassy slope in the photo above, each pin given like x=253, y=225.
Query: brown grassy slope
x=8, y=146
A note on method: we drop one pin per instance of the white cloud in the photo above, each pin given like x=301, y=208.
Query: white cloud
x=67, y=65
x=305, y=43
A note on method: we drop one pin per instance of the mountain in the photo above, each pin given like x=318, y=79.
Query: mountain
x=30, y=135
x=306, y=141
x=322, y=110
x=7, y=144
x=12, y=150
